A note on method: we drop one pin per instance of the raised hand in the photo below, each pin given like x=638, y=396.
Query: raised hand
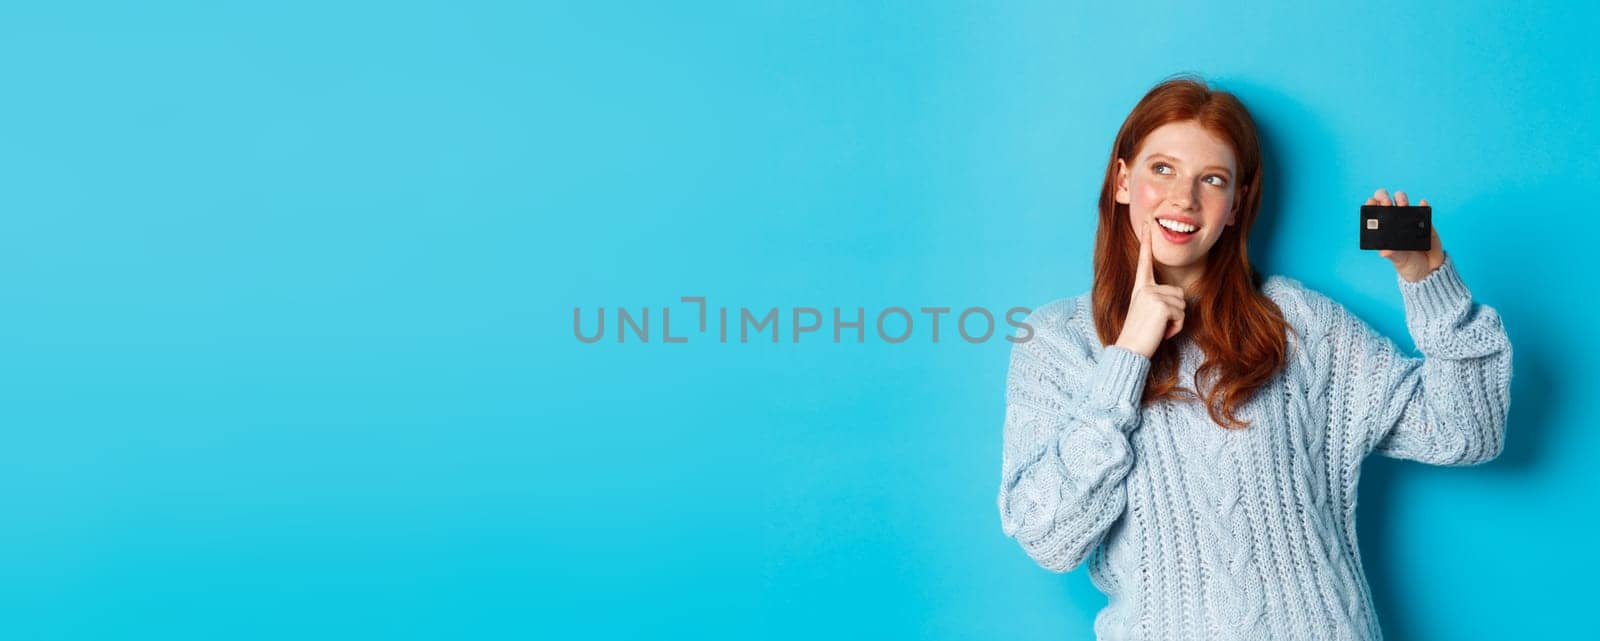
x=1155, y=311
x=1411, y=265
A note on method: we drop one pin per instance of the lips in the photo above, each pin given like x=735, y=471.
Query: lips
x=1181, y=219
x=1176, y=238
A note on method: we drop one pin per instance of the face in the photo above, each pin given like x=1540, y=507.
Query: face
x=1183, y=175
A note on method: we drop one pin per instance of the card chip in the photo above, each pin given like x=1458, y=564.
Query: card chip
x=1372, y=223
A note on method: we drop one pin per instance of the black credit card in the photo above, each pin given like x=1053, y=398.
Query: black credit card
x=1395, y=227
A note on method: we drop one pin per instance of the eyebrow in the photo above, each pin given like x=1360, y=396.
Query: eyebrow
x=1176, y=159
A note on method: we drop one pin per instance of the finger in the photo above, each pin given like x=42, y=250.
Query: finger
x=1400, y=199
x=1174, y=327
x=1385, y=252
x=1175, y=305
x=1383, y=197
x=1371, y=201
x=1146, y=272
x=1423, y=202
x=1173, y=291
x=1175, y=315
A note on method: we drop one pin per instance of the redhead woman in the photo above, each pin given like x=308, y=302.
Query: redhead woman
x=1193, y=432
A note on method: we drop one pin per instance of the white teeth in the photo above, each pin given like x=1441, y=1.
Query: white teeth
x=1176, y=226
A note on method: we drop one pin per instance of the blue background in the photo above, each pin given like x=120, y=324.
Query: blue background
x=288, y=293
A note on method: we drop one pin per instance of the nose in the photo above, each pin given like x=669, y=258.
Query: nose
x=1184, y=195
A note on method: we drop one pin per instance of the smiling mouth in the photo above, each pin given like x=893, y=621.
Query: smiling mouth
x=1182, y=229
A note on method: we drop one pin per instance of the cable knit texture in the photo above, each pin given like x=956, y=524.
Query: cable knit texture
x=1197, y=532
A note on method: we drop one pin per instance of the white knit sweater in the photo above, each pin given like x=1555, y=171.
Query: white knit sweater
x=1196, y=532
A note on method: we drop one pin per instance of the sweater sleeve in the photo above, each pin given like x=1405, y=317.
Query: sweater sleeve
x=1066, y=450
x=1447, y=407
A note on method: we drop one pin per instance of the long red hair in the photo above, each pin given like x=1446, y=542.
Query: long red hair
x=1241, y=331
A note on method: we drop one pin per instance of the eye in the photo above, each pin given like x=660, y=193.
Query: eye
x=1221, y=182
x=1159, y=166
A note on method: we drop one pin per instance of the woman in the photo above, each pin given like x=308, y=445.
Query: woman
x=1195, y=432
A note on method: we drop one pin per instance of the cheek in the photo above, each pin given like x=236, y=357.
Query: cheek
x=1147, y=196
x=1218, y=203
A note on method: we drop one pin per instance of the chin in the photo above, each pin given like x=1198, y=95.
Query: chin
x=1177, y=258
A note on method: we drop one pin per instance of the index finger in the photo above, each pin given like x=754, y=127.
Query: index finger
x=1144, y=275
